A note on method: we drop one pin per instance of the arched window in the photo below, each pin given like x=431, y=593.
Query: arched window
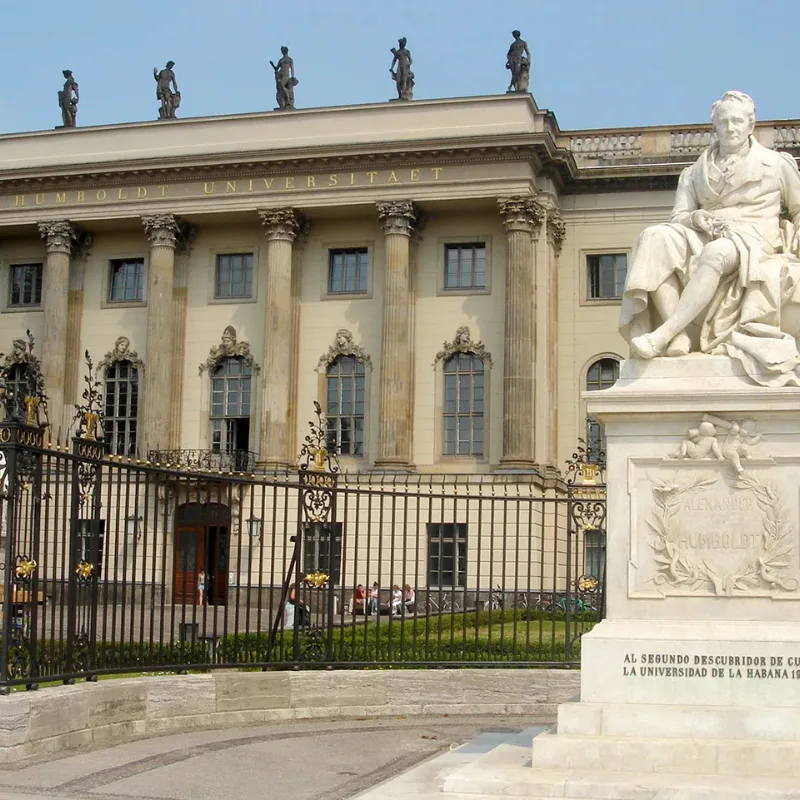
x=122, y=407
x=463, y=405
x=346, y=388
x=230, y=406
x=602, y=374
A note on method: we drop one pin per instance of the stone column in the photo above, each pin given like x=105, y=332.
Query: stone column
x=522, y=218
x=162, y=231
x=59, y=239
x=395, y=411
x=282, y=226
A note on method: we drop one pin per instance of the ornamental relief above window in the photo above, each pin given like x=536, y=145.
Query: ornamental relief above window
x=122, y=352
x=343, y=345
x=229, y=347
x=462, y=343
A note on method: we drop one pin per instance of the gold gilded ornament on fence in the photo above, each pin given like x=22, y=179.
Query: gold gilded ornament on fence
x=84, y=570
x=316, y=579
x=320, y=454
x=31, y=410
x=91, y=418
x=588, y=584
x=25, y=568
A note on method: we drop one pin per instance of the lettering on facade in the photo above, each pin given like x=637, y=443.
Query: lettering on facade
x=217, y=188
x=735, y=667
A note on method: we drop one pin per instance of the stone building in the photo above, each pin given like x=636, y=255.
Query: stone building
x=443, y=276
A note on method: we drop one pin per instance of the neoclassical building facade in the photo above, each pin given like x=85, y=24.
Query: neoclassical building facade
x=442, y=276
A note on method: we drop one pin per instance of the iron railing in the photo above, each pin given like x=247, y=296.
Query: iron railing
x=208, y=460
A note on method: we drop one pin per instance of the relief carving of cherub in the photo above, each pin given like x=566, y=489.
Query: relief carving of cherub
x=737, y=441
x=700, y=442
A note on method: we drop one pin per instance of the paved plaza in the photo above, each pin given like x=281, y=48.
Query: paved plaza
x=309, y=760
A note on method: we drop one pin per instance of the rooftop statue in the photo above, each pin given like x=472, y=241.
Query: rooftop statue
x=518, y=60
x=68, y=99
x=170, y=100
x=723, y=276
x=403, y=76
x=285, y=81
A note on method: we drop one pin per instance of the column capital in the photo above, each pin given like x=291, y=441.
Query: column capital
x=282, y=224
x=397, y=216
x=521, y=213
x=556, y=230
x=161, y=229
x=59, y=236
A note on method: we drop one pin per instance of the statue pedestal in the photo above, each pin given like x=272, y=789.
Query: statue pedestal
x=691, y=686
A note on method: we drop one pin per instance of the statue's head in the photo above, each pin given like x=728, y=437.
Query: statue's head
x=343, y=337
x=122, y=345
x=707, y=429
x=402, y=42
x=67, y=73
x=285, y=51
x=170, y=64
x=516, y=34
x=734, y=118
x=20, y=347
x=229, y=337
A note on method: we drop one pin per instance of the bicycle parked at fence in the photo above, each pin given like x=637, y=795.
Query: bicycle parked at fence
x=441, y=603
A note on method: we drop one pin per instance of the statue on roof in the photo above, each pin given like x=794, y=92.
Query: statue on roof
x=68, y=99
x=518, y=60
x=167, y=91
x=285, y=81
x=403, y=76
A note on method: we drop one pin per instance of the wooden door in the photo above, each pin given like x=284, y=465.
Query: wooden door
x=190, y=545
x=217, y=563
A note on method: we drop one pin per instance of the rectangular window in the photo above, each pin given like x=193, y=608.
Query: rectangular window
x=447, y=554
x=465, y=266
x=126, y=284
x=347, y=270
x=234, y=276
x=607, y=275
x=89, y=543
x=25, y=285
x=594, y=554
x=322, y=549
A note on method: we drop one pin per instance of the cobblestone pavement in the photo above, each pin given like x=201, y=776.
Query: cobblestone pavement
x=309, y=760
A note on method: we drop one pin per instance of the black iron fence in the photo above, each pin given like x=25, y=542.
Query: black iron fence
x=114, y=566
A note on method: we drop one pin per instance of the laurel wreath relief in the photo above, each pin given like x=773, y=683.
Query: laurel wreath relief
x=678, y=567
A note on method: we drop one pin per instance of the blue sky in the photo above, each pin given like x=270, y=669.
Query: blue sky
x=595, y=63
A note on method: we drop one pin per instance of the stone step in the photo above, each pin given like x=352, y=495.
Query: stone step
x=667, y=755
x=679, y=722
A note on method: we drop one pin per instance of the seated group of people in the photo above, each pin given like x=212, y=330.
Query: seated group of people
x=367, y=601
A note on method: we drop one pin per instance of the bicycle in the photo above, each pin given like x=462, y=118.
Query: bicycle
x=447, y=605
x=495, y=600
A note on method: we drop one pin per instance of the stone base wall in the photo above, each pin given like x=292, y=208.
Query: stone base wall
x=54, y=719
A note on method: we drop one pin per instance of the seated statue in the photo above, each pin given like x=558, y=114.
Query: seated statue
x=722, y=276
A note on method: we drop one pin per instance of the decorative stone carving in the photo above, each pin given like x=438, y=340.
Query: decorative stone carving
x=701, y=442
x=165, y=84
x=229, y=348
x=20, y=354
x=343, y=345
x=522, y=214
x=60, y=236
x=161, y=229
x=282, y=223
x=68, y=99
x=744, y=275
x=397, y=216
x=518, y=60
x=556, y=230
x=403, y=76
x=121, y=352
x=285, y=81
x=462, y=343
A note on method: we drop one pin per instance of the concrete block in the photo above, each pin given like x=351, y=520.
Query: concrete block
x=57, y=744
x=14, y=720
x=116, y=701
x=119, y=732
x=176, y=724
x=232, y=719
x=317, y=689
x=241, y=691
x=505, y=686
x=59, y=710
x=180, y=696
x=583, y=719
x=414, y=687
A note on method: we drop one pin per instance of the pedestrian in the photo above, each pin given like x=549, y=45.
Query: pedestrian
x=373, y=599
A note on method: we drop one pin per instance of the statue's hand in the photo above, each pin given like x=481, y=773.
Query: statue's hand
x=704, y=221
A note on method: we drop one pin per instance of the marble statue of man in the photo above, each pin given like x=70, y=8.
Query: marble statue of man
x=68, y=99
x=518, y=60
x=403, y=76
x=166, y=83
x=285, y=81
x=725, y=262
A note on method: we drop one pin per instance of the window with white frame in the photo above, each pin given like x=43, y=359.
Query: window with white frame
x=465, y=266
x=447, y=554
x=230, y=406
x=25, y=285
x=606, y=275
x=346, y=391
x=121, y=407
x=602, y=374
x=463, y=405
x=233, y=276
x=347, y=270
x=126, y=280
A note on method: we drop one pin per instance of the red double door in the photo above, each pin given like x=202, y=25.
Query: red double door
x=202, y=540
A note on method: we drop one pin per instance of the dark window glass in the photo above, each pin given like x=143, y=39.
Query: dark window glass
x=463, y=405
x=347, y=270
x=26, y=285
x=121, y=407
x=607, y=275
x=17, y=384
x=127, y=280
x=594, y=554
x=465, y=266
x=322, y=549
x=89, y=543
x=230, y=406
x=447, y=554
x=602, y=374
x=234, y=276
x=345, y=406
